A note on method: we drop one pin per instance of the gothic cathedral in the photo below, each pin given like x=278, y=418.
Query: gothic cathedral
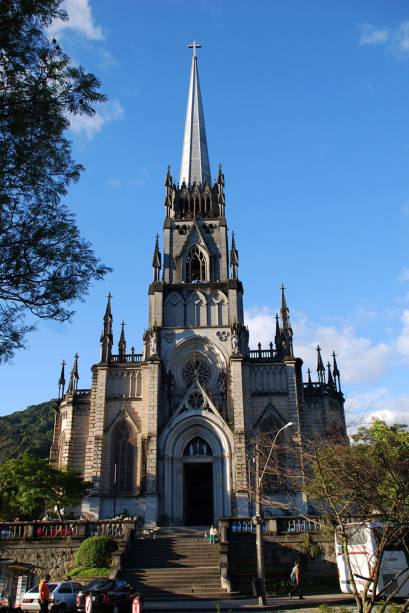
x=166, y=434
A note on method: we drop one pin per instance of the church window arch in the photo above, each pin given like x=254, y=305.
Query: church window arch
x=174, y=310
x=196, y=310
x=197, y=447
x=61, y=448
x=123, y=459
x=195, y=265
x=139, y=383
x=218, y=309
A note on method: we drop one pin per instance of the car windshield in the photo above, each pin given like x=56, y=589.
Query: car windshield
x=51, y=587
x=99, y=584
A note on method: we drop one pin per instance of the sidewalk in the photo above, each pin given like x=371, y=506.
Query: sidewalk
x=278, y=603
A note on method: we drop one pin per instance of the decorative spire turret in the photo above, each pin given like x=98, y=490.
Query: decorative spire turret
x=234, y=258
x=74, y=376
x=278, y=339
x=309, y=378
x=122, y=343
x=320, y=366
x=170, y=192
x=195, y=157
x=156, y=260
x=330, y=380
x=61, y=382
x=106, y=339
x=287, y=332
x=336, y=373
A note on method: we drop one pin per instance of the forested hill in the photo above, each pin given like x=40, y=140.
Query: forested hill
x=30, y=430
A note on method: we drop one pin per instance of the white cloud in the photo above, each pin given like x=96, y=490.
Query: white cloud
x=359, y=359
x=80, y=21
x=402, y=342
x=89, y=126
x=404, y=275
x=373, y=36
x=380, y=403
x=395, y=40
x=402, y=39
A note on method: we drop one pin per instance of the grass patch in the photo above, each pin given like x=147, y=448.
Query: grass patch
x=96, y=571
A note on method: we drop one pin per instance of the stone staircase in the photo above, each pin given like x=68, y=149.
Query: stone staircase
x=177, y=564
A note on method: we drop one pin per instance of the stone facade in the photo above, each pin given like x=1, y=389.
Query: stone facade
x=166, y=433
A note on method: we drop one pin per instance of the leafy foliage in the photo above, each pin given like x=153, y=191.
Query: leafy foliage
x=29, y=431
x=89, y=573
x=29, y=488
x=45, y=264
x=95, y=551
x=366, y=480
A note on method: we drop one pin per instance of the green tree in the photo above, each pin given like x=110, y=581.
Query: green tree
x=29, y=488
x=369, y=480
x=45, y=264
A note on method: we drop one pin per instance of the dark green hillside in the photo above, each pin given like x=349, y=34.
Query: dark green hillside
x=30, y=430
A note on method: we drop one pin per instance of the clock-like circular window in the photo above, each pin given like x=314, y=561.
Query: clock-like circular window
x=196, y=369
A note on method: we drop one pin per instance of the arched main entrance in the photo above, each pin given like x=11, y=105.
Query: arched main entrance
x=196, y=473
x=197, y=483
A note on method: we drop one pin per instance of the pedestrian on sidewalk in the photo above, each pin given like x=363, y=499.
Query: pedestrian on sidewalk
x=44, y=594
x=296, y=580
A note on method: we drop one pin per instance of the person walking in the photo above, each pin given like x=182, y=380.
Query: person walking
x=44, y=594
x=296, y=579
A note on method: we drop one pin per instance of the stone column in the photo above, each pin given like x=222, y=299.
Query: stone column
x=151, y=510
x=236, y=397
x=94, y=449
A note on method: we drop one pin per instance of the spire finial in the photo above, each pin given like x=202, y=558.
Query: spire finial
x=234, y=258
x=156, y=260
x=106, y=339
x=287, y=332
x=74, y=376
x=61, y=382
x=194, y=45
x=335, y=371
x=122, y=343
x=309, y=377
x=320, y=366
x=330, y=380
x=278, y=338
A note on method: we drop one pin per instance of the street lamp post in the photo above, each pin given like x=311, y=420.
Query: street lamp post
x=261, y=573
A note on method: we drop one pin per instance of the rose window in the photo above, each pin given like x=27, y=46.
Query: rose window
x=196, y=369
x=196, y=400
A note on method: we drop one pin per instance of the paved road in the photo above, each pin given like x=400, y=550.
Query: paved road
x=309, y=603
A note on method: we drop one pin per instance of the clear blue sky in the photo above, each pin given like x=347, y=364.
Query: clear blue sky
x=306, y=105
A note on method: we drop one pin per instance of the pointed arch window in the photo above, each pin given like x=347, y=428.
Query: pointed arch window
x=197, y=447
x=195, y=265
x=123, y=454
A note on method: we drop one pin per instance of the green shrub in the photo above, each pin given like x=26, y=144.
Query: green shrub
x=95, y=551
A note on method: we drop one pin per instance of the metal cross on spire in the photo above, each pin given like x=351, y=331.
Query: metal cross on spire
x=194, y=45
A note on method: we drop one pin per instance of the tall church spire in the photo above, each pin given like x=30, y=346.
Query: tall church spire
x=195, y=158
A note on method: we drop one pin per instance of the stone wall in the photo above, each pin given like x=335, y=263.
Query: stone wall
x=315, y=551
x=52, y=557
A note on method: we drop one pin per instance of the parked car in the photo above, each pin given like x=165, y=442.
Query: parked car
x=62, y=597
x=107, y=596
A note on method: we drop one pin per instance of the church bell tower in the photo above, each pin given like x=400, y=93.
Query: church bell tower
x=196, y=332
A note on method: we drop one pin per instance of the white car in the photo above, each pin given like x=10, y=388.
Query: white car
x=62, y=597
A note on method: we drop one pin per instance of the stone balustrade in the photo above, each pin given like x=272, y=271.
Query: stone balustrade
x=77, y=529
